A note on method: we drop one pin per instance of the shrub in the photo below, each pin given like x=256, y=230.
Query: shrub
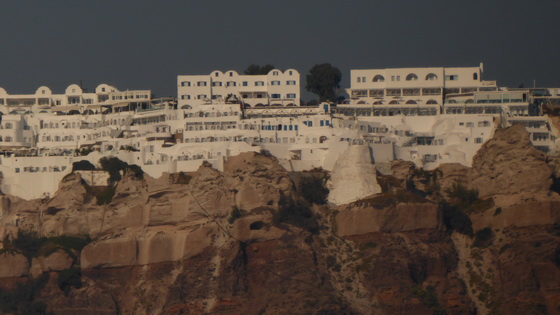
x=71, y=242
x=21, y=299
x=455, y=219
x=461, y=196
x=368, y=245
x=136, y=170
x=429, y=298
x=31, y=245
x=498, y=211
x=106, y=195
x=180, y=178
x=113, y=165
x=296, y=213
x=83, y=165
x=483, y=237
x=69, y=278
x=313, y=189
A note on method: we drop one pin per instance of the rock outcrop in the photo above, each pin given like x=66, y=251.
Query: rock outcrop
x=13, y=265
x=239, y=241
x=355, y=219
x=508, y=164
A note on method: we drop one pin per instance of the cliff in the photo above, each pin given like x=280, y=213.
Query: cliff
x=256, y=239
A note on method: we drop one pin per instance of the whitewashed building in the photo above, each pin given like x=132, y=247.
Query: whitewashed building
x=277, y=88
x=415, y=86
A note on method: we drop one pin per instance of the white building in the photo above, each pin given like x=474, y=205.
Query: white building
x=414, y=86
x=67, y=120
x=425, y=115
x=73, y=98
x=276, y=88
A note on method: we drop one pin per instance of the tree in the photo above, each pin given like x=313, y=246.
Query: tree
x=324, y=80
x=258, y=70
x=83, y=165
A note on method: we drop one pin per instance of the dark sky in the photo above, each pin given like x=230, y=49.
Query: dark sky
x=140, y=44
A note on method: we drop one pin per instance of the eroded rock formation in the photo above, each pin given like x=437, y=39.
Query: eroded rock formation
x=246, y=241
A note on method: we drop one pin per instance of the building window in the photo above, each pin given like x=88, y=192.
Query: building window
x=393, y=92
x=216, y=83
x=395, y=78
x=452, y=77
x=275, y=73
x=276, y=96
x=431, y=77
x=201, y=96
x=291, y=95
x=378, y=78
x=275, y=83
x=184, y=83
x=478, y=140
x=291, y=82
x=231, y=74
x=201, y=83
x=231, y=83
x=259, y=83
x=245, y=83
x=475, y=76
x=411, y=77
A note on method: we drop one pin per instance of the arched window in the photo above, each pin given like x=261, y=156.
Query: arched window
x=411, y=77
x=411, y=102
x=393, y=102
x=378, y=78
x=469, y=101
x=431, y=77
x=431, y=102
x=378, y=103
x=475, y=76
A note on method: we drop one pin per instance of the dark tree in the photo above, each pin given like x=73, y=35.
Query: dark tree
x=258, y=70
x=324, y=80
x=83, y=165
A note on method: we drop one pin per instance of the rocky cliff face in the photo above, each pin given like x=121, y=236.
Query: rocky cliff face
x=251, y=240
x=508, y=164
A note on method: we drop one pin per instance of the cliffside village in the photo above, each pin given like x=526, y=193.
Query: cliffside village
x=425, y=115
